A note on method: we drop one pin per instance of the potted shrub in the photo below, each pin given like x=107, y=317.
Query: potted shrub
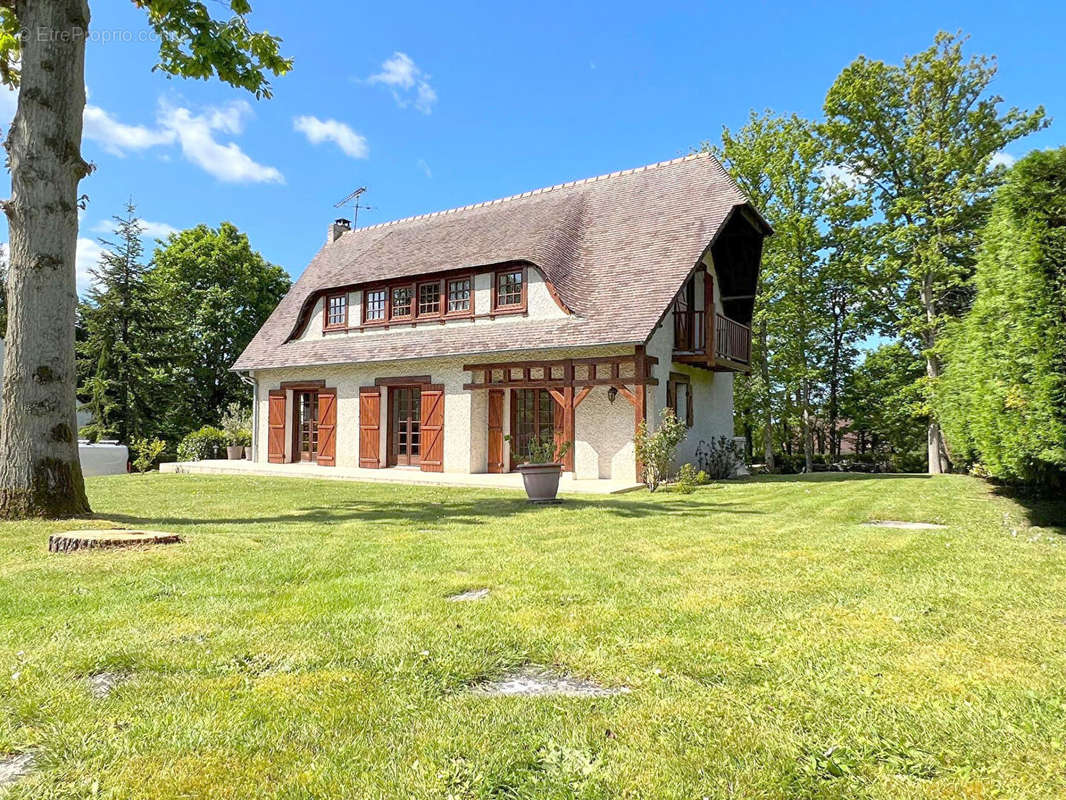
x=236, y=422
x=540, y=475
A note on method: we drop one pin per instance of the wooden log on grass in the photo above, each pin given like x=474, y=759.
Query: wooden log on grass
x=69, y=541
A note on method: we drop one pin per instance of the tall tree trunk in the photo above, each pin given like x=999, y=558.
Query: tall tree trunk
x=805, y=425
x=40, y=474
x=768, y=412
x=939, y=461
x=835, y=368
x=936, y=446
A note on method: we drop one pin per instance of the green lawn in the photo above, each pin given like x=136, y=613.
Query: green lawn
x=299, y=645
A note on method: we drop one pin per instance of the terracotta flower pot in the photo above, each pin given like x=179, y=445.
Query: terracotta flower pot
x=541, y=481
x=235, y=452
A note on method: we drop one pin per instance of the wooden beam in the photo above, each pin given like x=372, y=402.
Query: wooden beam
x=581, y=395
x=640, y=408
x=628, y=395
x=518, y=384
x=708, y=313
x=568, y=427
x=559, y=384
x=411, y=381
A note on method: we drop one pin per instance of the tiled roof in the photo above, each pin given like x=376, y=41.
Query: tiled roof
x=616, y=248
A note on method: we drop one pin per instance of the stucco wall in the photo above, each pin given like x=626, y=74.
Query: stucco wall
x=539, y=305
x=603, y=431
x=712, y=392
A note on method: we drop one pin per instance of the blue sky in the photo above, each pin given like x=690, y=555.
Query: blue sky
x=436, y=105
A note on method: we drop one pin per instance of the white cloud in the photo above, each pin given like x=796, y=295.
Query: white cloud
x=118, y=138
x=149, y=229
x=843, y=175
x=1002, y=158
x=422, y=165
x=157, y=230
x=196, y=135
x=88, y=256
x=330, y=130
x=8, y=103
x=405, y=78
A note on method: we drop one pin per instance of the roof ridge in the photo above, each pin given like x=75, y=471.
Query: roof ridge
x=533, y=192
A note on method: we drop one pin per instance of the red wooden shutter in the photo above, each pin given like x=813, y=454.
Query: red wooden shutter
x=369, y=427
x=327, y=427
x=276, y=427
x=433, y=428
x=495, y=430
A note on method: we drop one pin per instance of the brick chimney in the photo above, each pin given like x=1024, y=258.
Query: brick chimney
x=336, y=228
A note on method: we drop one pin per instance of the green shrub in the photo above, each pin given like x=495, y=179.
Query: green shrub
x=145, y=452
x=686, y=479
x=544, y=449
x=719, y=458
x=1002, y=397
x=655, y=451
x=208, y=442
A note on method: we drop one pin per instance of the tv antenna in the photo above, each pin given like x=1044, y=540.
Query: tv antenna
x=354, y=196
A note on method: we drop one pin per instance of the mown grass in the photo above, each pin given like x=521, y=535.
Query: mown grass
x=299, y=644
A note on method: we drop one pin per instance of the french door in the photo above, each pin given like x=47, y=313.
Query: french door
x=532, y=414
x=405, y=417
x=307, y=425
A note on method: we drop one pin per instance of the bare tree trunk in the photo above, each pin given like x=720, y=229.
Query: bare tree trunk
x=936, y=447
x=768, y=414
x=805, y=426
x=40, y=474
x=939, y=461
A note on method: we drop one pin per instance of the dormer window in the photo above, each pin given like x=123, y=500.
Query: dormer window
x=336, y=311
x=459, y=296
x=403, y=298
x=429, y=299
x=510, y=289
x=375, y=305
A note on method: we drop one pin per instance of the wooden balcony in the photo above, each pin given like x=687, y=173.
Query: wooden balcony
x=732, y=341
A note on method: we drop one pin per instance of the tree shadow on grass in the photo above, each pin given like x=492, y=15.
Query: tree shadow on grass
x=474, y=511
x=834, y=477
x=1041, y=510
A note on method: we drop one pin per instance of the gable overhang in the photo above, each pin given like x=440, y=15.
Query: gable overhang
x=740, y=215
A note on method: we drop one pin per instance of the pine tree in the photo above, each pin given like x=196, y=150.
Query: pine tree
x=118, y=320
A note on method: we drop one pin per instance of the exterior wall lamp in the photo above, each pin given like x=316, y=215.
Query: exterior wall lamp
x=612, y=393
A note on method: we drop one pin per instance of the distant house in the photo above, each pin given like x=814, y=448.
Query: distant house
x=577, y=311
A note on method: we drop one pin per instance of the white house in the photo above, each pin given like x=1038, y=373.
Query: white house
x=577, y=310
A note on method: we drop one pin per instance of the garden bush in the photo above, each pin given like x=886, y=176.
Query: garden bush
x=146, y=452
x=719, y=458
x=655, y=451
x=208, y=442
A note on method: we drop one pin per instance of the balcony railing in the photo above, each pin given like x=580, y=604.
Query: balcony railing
x=732, y=341
x=690, y=331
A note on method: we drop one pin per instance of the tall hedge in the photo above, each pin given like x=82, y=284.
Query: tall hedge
x=1002, y=398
